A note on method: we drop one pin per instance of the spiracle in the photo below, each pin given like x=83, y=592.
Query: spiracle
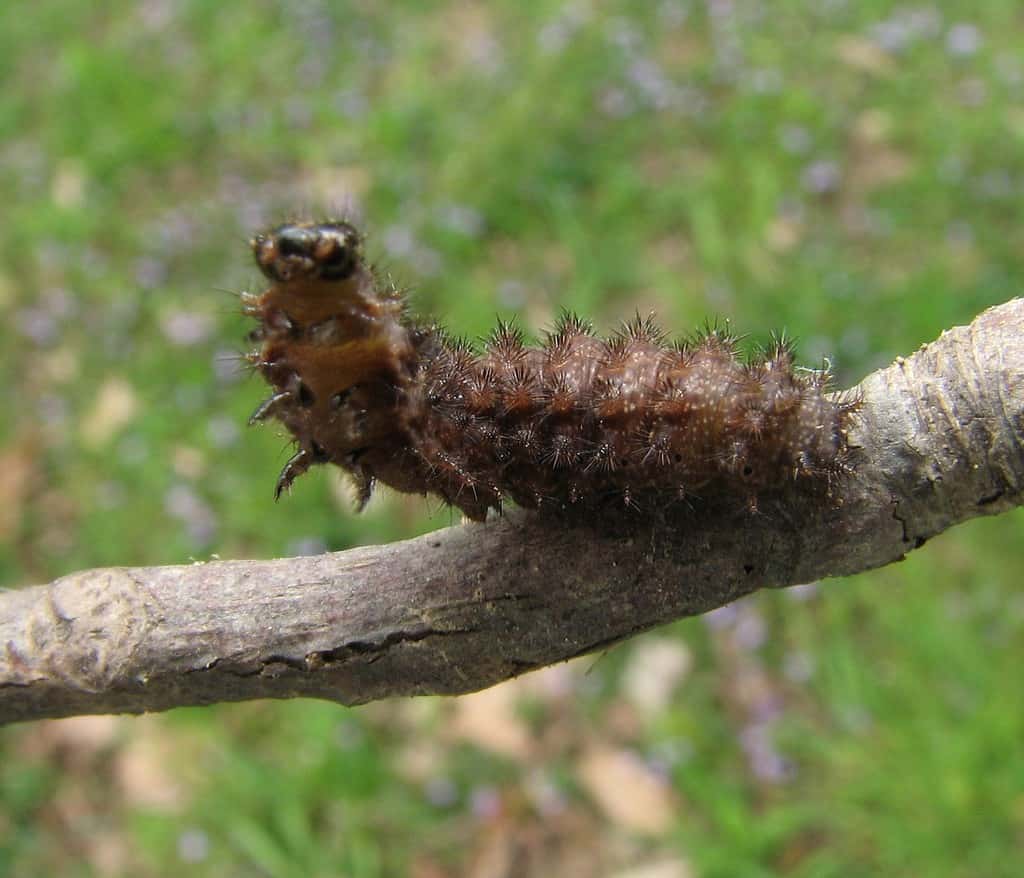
x=576, y=422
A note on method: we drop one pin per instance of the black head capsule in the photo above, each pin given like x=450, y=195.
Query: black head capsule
x=324, y=251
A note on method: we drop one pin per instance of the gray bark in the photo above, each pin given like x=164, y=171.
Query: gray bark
x=938, y=441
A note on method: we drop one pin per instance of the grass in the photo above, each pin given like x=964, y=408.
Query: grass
x=851, y=172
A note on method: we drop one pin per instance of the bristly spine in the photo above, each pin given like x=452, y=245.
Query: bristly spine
x=577, y=423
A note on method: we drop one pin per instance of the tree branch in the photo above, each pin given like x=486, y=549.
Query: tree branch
x=938, y=441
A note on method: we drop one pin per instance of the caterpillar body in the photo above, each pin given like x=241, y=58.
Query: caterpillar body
x=577, y=422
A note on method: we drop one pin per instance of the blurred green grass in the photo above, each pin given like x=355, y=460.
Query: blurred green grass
x=851, y=172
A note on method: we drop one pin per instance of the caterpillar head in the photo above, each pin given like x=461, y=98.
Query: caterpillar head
x=313, y=251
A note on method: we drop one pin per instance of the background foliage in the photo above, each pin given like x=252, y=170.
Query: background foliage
x=851, y=171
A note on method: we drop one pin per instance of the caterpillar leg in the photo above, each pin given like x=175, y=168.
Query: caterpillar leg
x=268, y=407
x=299, y=462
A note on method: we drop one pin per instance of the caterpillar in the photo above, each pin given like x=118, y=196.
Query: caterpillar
x=578, y=422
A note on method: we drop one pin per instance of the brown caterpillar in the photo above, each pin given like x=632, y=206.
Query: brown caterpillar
x=578, y=422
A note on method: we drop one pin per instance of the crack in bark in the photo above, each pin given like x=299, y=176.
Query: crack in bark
x=360, y=648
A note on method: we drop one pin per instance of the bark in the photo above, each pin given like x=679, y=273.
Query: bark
x=937, y=441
